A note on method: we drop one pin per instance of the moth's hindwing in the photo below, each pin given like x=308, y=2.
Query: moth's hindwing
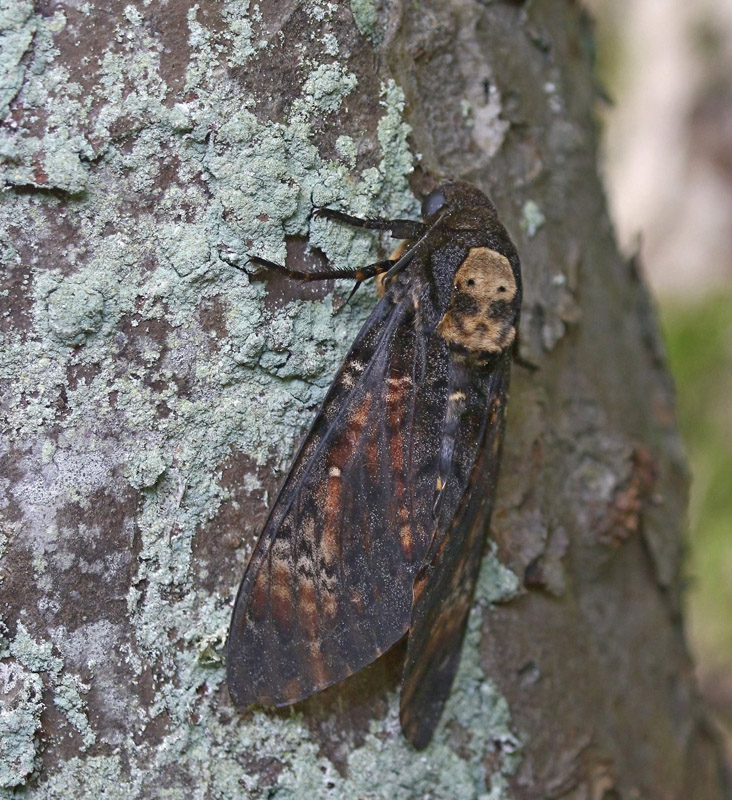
x=443, y=589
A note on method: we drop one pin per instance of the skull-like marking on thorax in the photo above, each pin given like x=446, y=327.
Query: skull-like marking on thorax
x=481, y=313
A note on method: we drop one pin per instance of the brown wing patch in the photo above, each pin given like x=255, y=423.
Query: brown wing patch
x=480, y=315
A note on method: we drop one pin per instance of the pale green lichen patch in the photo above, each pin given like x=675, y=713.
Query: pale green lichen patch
x=143, y=470
x=36, y=656
x=239, y=30
x=26, y=661
x=532, y=218
x=392, y=132
x=325, y=89
x=69, y=701
x=95, y=777
x=17, y=27
x=75, y=310
x=347, y=150
x=364, y=14
x=330, y=44
x=20, y=719
x=54, y=161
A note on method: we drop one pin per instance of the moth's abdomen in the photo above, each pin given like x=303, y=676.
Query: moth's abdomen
x=481, y=315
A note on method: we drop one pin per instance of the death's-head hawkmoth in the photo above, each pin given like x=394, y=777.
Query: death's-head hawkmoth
x=378, y=530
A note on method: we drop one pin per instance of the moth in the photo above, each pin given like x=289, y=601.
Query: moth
x=378, y=529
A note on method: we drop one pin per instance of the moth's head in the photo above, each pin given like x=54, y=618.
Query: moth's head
x=452, y=196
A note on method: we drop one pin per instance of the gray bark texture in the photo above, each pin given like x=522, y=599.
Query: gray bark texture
x=152, y=397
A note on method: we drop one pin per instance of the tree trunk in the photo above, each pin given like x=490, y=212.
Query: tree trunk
x=152, y=396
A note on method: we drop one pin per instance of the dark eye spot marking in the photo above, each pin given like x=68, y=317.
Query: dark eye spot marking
x=501, y=288
x=465, y=304
x=471, y=282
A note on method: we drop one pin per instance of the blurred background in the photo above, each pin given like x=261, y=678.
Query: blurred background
x=666, y=66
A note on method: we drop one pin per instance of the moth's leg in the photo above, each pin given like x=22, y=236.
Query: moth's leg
x=359, y=275
x=399, y=228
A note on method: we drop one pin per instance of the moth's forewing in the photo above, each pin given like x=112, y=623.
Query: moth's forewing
x=329, y=586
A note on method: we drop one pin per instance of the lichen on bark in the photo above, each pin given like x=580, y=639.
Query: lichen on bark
x=153, y=394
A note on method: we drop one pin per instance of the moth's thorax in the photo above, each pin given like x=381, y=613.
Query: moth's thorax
x=481, y=314
x=476, y=218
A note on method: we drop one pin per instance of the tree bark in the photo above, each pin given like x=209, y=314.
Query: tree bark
x=152, y=396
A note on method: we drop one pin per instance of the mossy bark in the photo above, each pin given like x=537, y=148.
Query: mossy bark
x=152, y=396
